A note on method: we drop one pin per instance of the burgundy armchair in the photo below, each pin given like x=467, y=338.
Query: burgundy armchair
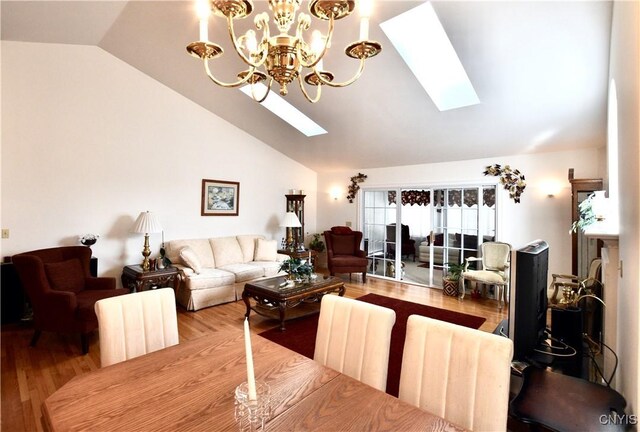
x=343, y=252
x=61, y=290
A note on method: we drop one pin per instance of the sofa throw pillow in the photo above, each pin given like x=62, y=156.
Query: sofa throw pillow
x=65, y=275
x=266, y=250
x=190, y=259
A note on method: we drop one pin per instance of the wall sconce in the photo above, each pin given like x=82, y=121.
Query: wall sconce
x=335, y=193
x=551, y=188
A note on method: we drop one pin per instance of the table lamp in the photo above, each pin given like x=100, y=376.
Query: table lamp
x=146, y=223
x=290, y=221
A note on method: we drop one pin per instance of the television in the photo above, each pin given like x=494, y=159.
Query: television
x=527, y=321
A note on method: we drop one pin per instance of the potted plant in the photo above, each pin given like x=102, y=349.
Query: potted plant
x=587, y=215
x=451, y=279
x=316, y=243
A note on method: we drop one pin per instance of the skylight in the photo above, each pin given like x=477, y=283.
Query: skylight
x=286, y=111
x=420, y=39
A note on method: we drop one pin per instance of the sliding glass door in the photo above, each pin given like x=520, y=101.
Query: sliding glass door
x=437, y=226
x=379, y=214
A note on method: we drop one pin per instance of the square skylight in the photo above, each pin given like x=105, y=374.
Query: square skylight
x=285, y=111
x=420, y=39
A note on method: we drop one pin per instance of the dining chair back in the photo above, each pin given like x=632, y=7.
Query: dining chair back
x=136, y=324
x=353, y=338
x=457, y=373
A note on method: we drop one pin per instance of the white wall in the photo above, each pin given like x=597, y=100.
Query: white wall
x=88, y=142
x=537, y=216
x=625, y=69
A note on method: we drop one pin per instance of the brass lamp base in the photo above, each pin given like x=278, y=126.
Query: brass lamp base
x=146, y=251
x=363, y=49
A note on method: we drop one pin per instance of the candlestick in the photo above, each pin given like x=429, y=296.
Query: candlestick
x=251, y=379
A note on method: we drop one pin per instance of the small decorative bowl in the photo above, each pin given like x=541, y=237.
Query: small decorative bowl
x=88, y=242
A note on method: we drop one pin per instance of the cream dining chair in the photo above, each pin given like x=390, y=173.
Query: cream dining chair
x=136, y=324
x=495, y=269
x=457, y=373
x=353, y=338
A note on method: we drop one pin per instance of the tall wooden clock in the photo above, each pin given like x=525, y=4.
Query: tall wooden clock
x=295, y=204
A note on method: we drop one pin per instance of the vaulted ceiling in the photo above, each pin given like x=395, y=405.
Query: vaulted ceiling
x=539, y=68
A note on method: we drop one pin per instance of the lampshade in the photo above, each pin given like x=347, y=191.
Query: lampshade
x=147, y=223
x=290, y=220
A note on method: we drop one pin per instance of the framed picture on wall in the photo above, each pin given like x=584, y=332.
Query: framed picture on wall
x=220, y=198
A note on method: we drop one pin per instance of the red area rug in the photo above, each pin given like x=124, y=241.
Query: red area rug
x=300, y=334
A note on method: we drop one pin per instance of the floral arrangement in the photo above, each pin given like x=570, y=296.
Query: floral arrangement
x=316, y=243
x=512, y=180
x=88, y=239
x=354, y=187
x=296, y=268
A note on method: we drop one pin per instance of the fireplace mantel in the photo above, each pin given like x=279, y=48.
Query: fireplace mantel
x=611, y=271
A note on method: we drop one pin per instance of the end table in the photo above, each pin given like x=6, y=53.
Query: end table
x=137, y=280
x=305, y=254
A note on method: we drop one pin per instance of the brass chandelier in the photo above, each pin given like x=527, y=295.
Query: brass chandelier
x=283, y=57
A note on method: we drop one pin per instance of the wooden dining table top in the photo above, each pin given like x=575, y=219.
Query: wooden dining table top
x=191, y=386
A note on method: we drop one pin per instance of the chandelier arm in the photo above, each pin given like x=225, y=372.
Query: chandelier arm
x=238, y=50
x=223, y=84
x=304, y=91
x=342, y=84
x=253, y=94
x=327, y=42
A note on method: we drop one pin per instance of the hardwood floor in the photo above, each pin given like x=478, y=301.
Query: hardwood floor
x=30, y=375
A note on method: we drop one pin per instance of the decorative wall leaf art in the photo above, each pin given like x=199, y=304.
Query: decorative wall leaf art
x=512, y=180
x=354, y=187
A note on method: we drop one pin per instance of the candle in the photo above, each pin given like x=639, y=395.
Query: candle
x=204, y=10
x=309, y=257
x=251, y=379
x=366, y=7
x=364, y=28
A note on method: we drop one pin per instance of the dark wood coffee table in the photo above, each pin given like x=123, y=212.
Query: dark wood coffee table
x=282, y=302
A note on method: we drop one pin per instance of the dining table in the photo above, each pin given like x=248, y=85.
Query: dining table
x=190, y=387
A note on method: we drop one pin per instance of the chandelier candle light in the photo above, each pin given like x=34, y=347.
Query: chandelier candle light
x=284, y=56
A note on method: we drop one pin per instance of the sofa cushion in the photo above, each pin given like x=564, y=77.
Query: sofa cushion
x=190, y=259
x=65, y=275
x=248, y=246
x=226, y=250
x=266, y=250
x=244, y=272
x=210, y=278
x=201, y=247
x=270, y=268
x=343, y=244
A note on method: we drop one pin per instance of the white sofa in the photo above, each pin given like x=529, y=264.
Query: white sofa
x=215, y=270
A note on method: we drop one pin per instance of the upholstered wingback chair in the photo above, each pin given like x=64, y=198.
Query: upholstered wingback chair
x=61, y=290
x=343, y=251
